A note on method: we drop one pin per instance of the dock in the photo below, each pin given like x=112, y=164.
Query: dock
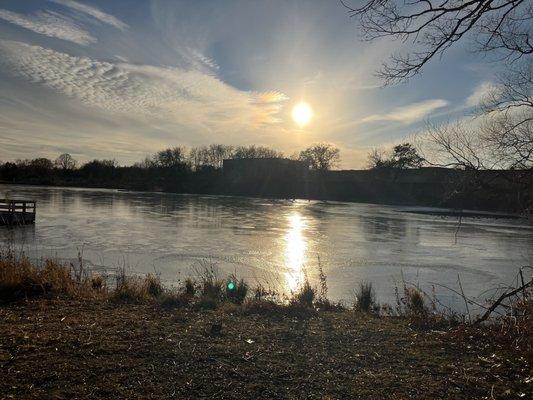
x=17, y=212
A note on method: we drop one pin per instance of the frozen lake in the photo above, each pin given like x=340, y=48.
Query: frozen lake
x=274, y=242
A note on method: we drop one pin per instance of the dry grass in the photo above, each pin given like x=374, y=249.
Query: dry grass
x=97, y=350
x=137, y=289
x=236, y=289
x=365, y=298
x=20, y=278
x=305, y=295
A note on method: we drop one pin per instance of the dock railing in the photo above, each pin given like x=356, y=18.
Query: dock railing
x=17, y=206
x=17, y=211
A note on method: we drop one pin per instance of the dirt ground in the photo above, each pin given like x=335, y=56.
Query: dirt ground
x=90, y=350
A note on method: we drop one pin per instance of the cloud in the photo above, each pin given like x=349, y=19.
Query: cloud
x=93, y=12
x=480, y=93
x=411, y=113
x=50, y=24
x=189, y=97
x=198, y=58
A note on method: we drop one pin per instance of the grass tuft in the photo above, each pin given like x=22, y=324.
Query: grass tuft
x=365, y=298
x=236, y=289
x=305, y=295
x=190, y=287
x=414, y=302
x=153, y=286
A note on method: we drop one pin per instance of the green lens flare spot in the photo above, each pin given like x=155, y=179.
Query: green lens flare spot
x=231, y=285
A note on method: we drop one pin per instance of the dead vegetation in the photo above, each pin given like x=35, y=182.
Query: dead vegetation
x=93, y=349
x=212, y=333
x=20, y=278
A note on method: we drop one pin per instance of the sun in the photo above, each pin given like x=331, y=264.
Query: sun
x=302, y=113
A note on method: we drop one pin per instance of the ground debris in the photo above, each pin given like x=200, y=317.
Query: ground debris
x=141, y=351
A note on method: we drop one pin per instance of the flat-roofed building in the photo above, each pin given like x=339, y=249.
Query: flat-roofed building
x=265, y=176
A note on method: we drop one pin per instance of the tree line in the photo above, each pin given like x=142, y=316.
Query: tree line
x=321, y=156
x=174, y=169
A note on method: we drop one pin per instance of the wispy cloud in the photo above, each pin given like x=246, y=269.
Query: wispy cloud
x=50, y=24
x=93, y=12
x=190, y=97
x=410, y=113
x=479, y=93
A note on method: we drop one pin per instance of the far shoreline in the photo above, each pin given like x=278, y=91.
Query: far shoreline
x=415, y=209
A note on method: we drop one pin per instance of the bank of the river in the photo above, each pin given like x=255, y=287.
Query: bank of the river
x=101, y=349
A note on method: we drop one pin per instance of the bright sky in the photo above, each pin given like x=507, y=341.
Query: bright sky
x=122, y=79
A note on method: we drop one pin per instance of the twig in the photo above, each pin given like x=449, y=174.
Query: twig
x=500, y=299
x=464, y=298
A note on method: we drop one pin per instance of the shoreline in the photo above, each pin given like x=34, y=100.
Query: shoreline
x=66, y=334
x=438, y=211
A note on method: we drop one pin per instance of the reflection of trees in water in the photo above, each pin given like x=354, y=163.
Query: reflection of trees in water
x=376, y=227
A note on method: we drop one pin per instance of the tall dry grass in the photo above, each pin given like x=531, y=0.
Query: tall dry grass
x=21, y=278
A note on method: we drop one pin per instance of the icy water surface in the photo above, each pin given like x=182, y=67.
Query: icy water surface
x=274, y=242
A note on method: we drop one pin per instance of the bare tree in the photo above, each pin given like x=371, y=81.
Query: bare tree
x=513, y=90
x=434, y=26
x=455, y=145
x=171, y=157
x=147, y=163
x=65, y=162
x=212, y=155
x=217, y=153
x=376, y=158
x=476, y=148
x=321, y=156
x=510, y=138
x=255, y=152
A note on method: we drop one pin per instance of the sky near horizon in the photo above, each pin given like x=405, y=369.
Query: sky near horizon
x=123, y=79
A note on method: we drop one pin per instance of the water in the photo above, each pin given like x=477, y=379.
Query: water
x=273, y=242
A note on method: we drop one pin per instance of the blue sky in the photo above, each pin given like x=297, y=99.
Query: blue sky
x=123, y=79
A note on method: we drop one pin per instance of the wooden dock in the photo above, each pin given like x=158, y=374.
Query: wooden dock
x=17, y=212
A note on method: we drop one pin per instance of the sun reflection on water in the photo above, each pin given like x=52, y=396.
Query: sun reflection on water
x=294, y=251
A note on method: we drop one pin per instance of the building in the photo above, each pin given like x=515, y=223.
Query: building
x=276, y=177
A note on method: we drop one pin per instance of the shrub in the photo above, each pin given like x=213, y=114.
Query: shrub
x=97, y=281
x=414, y=302
x=152, y=285
x=326, y=305
x=190, y=287
x=365, y=298
x=305, y=295
x=136, y=289
x=210, y=285
x=262, y=293
x=130, y=289
x=236, y=290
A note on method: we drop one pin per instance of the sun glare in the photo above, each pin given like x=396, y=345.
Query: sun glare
x=302, y=113
x=295, y=251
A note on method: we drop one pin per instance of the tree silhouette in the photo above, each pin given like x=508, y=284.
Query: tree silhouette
x=171, y=157
x=321, y=156
x=434, y=26
x=65, y=162
x=403, y=156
